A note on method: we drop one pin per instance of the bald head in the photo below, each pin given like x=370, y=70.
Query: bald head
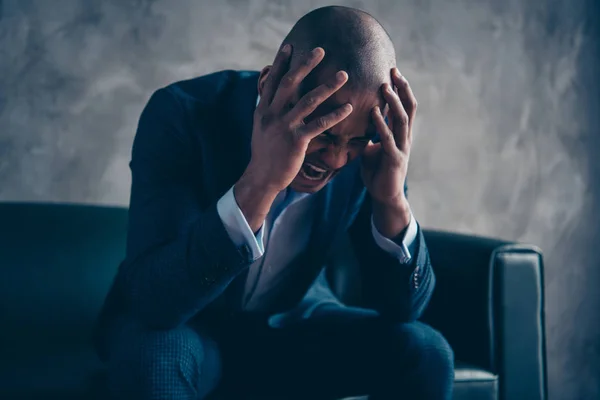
x=353, y=40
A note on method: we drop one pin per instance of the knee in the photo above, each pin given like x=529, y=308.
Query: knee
x=150, y=362
x=180, y=350
x=427, y=348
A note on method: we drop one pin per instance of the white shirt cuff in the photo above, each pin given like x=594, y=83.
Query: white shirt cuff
x=237, y=227
x=402, y=251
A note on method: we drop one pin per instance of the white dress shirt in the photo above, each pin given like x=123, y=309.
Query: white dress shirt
x=283, y=237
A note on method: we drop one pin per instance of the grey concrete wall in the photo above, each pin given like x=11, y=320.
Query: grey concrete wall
x=506, y=138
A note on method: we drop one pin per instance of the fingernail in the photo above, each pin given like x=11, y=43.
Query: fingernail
x=286, y=48
x=397, y=72
x=341, y=75
x=317, y=51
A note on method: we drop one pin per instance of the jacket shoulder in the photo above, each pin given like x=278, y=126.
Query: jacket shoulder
x=208, y=89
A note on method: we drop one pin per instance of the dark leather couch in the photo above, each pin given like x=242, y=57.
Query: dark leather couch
x=57, y=262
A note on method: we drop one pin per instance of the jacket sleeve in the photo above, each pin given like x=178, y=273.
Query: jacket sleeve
x=179, y=254
x=398, y=291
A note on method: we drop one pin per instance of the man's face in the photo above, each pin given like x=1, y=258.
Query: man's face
x=329, y=152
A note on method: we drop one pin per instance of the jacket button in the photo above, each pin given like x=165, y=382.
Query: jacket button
x=416, y=277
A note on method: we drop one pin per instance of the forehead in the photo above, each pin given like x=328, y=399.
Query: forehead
x=359, y=122
x=362, y=97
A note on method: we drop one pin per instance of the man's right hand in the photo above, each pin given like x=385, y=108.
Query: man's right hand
x=280, y=137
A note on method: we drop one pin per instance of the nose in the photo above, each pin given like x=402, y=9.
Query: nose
x=334, y=156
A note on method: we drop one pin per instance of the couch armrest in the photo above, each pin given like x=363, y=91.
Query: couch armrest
x=489, y=304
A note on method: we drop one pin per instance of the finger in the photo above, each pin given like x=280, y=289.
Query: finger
x=387, y=118
x=399, y=117
x=321, y=124
x=387, y=138
x=279, y=68
x=406, y=95
x=369, y=155
x=313, y=99
x=291, y=80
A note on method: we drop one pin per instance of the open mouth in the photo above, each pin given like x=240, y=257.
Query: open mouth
x=313, y=173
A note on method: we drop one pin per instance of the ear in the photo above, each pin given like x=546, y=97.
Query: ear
x=264, y=74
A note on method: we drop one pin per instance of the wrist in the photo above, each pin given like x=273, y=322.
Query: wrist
x=258, y=178
x=247, y=188
x=391, y=218
x=253, y=199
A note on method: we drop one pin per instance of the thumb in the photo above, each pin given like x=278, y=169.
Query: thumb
x=370, y=153
x=371, y=149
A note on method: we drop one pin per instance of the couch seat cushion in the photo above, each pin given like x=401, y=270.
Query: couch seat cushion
x=473, y=383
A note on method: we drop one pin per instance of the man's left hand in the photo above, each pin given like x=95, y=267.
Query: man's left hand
x=385, y=164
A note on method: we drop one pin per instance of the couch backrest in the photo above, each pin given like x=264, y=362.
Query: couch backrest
x=56, y=265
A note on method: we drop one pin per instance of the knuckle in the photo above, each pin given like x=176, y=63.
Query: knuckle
x=310, y=101
x=321, y=123
x=329, y=88
x=289, y=126
x=330, y=85
x=414, y=104
x=265, y=119
x=288, y=80
x=307, y=61
x=404, y=118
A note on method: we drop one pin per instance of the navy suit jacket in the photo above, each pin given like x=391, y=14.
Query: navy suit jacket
x=192, y=144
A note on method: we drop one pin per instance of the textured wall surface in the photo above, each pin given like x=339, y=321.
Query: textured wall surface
x=506, y=139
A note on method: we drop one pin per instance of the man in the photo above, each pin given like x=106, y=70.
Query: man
x=241, y=181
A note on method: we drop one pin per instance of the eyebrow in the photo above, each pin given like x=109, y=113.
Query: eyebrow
x=368, y=136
